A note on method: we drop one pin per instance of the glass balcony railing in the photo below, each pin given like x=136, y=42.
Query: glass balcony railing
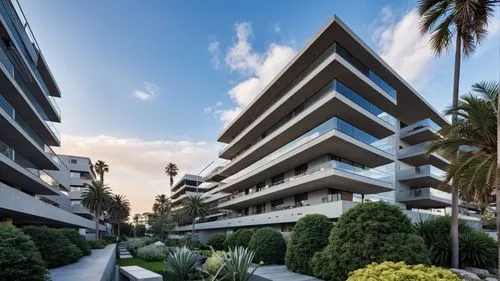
x=417, y=149
x=5, y=105
x=334, y=123
x=372, y=173
x=428, y=192
x=422, y=170
x=11, y=17
x=10, y=153
x=426, y=123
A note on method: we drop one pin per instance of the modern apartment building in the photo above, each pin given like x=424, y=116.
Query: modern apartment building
x=188, y=185
x=335, y=127
x=29, y=192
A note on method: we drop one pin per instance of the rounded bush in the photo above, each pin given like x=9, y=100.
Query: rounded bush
x=153, y=252
x=269, y=246
x=216, y=241
x=97, y=244
x=402, y=272
x=477, y=249
x=239, y=238
x=20, y=259
x=78, y=240
x=309, y=236
x=133, y=244
x=369, y=232
x=56, y=249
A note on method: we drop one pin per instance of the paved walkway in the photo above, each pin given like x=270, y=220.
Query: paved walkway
x=88, y=268
x=280, y=273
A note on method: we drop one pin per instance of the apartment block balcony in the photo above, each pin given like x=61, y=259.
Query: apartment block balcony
x=27, y=209
x=419, y=132
x=424, y=197
x=82, y=211
x=333, y=174
x=331, y=210
x=335, y=98
x=416, y=155
x=421, y=176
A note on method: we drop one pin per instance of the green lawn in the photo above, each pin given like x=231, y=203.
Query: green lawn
x=155, y=266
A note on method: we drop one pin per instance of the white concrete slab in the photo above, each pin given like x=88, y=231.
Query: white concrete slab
x=137, y=273
x=281, y=273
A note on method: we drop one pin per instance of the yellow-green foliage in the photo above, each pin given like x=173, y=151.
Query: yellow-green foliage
x=401, y=272
x=213, y=263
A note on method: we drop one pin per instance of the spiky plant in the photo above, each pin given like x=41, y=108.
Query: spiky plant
x=236, y=265
x=180, y=263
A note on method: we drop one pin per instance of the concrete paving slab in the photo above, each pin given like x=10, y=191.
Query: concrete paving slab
x=281, y=273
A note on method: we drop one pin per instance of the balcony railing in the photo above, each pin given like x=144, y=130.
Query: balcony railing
x=15, y=20
x=421, y=124
x=422, y=170
x=420, y=148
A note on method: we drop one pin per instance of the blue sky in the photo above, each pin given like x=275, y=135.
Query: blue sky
x=148, y=82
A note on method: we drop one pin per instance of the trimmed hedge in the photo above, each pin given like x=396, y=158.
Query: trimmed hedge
x=269, y=246
x=20, y=259
x=369, y=232
x=241, y=238
x=477, y=249
x=56, y=249
x=78, y=240
x=216, y=241
x=402, y=272
x=97, y=244
x=309, y=236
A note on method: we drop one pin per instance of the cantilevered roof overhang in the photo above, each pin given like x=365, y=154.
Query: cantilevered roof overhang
x=411, y=107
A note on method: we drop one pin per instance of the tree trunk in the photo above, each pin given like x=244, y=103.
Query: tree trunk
x=194, y=228
x=161, y=228
x=118, y=228
x=96, y=225
x=454, y=193
x=497, y=191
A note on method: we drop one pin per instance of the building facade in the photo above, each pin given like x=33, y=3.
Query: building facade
x=29, y=192
x=336, y=126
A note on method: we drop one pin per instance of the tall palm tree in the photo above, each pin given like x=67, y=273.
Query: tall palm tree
x=465, y=21
x=171, y=170
x=195, y=208
x=162, y=207
x=119, y=210
x=97, y=198
x=101, y=168
x=474, y=139
x=136, y=222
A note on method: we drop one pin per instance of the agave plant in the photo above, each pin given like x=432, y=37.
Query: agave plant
x=180, y=263
x=235, y=265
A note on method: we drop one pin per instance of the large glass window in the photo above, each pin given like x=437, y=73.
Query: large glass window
x=279, y=179
x=301, y=199
x=302, y=169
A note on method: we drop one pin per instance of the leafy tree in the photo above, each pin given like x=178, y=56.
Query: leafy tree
x=195, y=208
x=97, y=197
x=140, y=230
x=467, y=21
x=310, y=235
x=171, y=170
x=216, y=241
x=119, y=209
x=136, y=218
x=162, y=208
x=269, y=246
x=101, y=168
x=369, y=232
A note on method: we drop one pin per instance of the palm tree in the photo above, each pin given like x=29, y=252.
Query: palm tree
x=97, y=198
x=119, y=209
x=473, y=139
x=195, y=208
x=100, y=168
x=467, y=21
x=161, y=208
x=171, y=170
x=136, y=222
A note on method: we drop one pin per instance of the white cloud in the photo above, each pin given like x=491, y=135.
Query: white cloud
x=257, y=69
x=401, y=44
x=137, y=166
x=147, y=91
x=214, y=50
x=276, y=27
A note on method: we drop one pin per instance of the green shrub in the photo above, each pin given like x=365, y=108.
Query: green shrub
x=20, y=260
x=269, y=246
x=309, y=236
x=97, y=244
x=133, y=244
x=401, y=272
x=110, y=239
x=56, y=249
x=213, y=263
x=78, y=240
x=216, y=241
x=369, y=232
x=241, y=238
x=152, y=252
x=477, y=249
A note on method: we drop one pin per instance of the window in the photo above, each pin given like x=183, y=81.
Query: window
x=300, y=199
x=261, y=208
x=302, y=169
x=75, y=175
x=247, y=191
x=75, y=203
x=260, y=186
x=276, y=204
x=74, y=161
x=279, y=179
x=333, y=195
